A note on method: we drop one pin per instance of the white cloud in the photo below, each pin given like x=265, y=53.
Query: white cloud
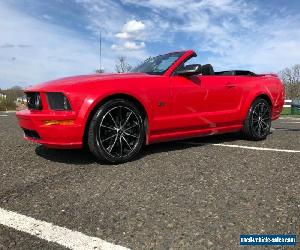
x=128, y=45
x=133, y=26
x=134, y=45
x=123, y=35
x=132, y=32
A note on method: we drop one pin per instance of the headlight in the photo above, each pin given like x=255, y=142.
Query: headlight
x=34, y=100
x=58, y=101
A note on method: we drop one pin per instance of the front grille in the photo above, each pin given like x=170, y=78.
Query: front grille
x=34, y=100
x=31, y=133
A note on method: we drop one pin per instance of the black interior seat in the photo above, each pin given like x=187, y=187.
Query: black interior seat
x=207, y=69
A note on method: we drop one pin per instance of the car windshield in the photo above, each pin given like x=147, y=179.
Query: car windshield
x=158, y=65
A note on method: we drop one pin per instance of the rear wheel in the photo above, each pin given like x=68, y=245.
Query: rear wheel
x=258, y=123
x=116, y=132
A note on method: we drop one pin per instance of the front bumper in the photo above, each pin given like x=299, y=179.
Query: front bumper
x=52, y=136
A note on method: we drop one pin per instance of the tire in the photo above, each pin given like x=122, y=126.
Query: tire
x=116, y=133
x=258, y=123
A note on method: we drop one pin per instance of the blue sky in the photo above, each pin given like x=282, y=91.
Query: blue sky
x=43, y=40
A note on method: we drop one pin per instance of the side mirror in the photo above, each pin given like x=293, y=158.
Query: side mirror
x=190, y=70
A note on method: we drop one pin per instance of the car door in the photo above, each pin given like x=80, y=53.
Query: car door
x=200, y=102
x=222, y=101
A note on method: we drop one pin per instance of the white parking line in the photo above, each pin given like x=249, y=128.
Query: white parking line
x=289, y=118
x=10, y=111
x=3, y=115
x=245, y=147
x=258, y=148
x=291, y=122
x=48, y=231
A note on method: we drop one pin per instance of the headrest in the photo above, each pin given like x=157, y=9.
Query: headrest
x=207, y=69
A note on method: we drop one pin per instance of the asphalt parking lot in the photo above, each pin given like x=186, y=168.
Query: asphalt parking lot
x=194, y=194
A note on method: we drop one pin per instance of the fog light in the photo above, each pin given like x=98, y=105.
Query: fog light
x=56, y=122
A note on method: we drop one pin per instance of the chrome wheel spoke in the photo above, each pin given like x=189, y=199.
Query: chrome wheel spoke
x=127, y=119
x=262, y=122
x=265, y=118
x=114, y=121
x=265, y=112
x=109, y=137
x=125, y=133
x=112, y=145
x=265, y=125
x=111, y=128
x=121, y=146
x=126, y=142
x=136, y=124
x=259, y=129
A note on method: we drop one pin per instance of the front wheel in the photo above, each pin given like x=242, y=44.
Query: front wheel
x=116, y=132
x=258, y=123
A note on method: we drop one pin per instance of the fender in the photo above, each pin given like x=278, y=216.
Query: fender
x=261, y=90
x=90, y=102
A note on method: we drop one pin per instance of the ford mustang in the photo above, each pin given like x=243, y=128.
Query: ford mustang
x=164, y=98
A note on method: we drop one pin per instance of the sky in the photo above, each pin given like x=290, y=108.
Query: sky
x=44, y=40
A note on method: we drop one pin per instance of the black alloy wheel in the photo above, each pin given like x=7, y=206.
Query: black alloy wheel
x=117, y=131
x=258, y=123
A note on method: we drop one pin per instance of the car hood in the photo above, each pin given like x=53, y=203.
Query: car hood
x=63, y=83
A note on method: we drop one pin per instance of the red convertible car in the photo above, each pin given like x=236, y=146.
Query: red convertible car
x=164, y=98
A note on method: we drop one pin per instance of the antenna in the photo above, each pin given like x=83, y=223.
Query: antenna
x=100, y=51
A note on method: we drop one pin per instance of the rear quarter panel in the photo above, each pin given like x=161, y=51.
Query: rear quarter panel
x=267, y=85
x=277, y=92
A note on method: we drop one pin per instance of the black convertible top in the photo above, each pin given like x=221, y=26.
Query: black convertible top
x=235, y=73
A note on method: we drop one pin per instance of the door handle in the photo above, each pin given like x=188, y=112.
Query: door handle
x=230, y=85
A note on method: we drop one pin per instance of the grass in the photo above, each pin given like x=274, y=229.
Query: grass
x=287, y=112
